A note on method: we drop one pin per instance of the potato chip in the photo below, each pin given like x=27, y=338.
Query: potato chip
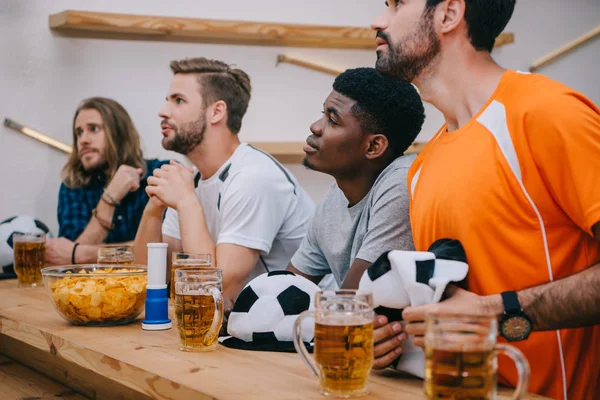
x=100, y=299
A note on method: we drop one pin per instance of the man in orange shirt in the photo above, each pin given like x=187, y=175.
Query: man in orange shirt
x=514, y=176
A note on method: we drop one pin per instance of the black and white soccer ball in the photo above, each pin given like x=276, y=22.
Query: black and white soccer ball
x=264, y=313
x=12, y=225
x=399, y=279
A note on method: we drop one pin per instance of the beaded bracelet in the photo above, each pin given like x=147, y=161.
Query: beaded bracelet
x=103, y=223
x=113, y=202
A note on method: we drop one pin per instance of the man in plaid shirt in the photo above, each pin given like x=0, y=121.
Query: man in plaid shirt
x=102, y=197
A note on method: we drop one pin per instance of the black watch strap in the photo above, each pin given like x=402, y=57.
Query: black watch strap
x=511, y=302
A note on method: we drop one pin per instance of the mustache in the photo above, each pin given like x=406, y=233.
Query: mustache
x=311, y=142
x=165, y=122
x=383, y=35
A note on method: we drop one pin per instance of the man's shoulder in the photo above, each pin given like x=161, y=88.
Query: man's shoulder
x=528, y=94
x=396, y=172
x=251, y=166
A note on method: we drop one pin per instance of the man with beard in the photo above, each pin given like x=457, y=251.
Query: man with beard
x=368, y=123
x=248, y=211
x=102, y=197
x=512, y=175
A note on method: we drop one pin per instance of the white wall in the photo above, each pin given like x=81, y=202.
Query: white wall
x=44, y=75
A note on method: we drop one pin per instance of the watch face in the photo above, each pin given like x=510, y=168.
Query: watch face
x=516, y=328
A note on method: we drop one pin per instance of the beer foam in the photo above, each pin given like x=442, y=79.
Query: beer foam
x=343, y=319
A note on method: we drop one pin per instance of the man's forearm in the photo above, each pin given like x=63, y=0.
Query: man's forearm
x=195, y=237
x=95, y=232
x=571, y=302
x=149, y=231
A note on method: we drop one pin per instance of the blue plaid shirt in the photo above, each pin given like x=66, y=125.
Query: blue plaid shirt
x=75, y=208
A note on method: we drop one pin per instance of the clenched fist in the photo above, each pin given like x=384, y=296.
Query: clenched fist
x=126, y=179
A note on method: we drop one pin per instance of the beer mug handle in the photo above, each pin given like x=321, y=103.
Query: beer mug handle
x=522, y=368
x=299, y=343
x=219, y=306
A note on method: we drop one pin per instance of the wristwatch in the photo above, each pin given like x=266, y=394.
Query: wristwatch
x=515, y=325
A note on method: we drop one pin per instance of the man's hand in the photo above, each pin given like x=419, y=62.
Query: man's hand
x=173, y=184
x=126, y=179
x=388, y=340
x=58, y=251
x=155, y=207
x=459, y=301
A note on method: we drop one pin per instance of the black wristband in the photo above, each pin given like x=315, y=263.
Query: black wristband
x=511, y=302
x=73, y=253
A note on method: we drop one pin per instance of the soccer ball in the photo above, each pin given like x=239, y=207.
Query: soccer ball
x=399, y=279
x=17, y=224
x=265, y=311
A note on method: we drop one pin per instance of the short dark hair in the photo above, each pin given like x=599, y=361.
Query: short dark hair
x=386, y=106
x=486, y=19
x=219, y=81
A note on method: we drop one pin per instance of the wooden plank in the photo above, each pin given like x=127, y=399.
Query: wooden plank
x=146, y=27
x=151, y=363
x=282, y=58
x=129, y=26
x=18, y=382
x=80, y=380
x=504, y=39
x=563, y=50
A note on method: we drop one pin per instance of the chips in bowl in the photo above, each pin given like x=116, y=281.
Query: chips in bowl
x=97, y=295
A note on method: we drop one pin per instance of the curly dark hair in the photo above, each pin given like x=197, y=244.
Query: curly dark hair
x=386, y=106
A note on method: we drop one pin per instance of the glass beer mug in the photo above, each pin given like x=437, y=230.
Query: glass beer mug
x=181, y=259
x=461, y=358
x=117, y=254
x=198, y=308
x=29, y=258
x=343, y=341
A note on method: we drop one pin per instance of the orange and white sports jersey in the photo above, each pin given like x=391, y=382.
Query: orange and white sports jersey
x=519, y=186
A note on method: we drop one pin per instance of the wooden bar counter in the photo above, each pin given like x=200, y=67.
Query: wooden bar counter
x=125, y=362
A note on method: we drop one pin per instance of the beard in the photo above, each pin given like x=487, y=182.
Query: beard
x=408, y=59
x=186, y=137
x=307, y=164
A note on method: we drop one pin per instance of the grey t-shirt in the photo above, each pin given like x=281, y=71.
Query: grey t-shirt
x=338, y=234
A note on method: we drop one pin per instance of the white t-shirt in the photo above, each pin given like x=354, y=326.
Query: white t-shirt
x=255, y=202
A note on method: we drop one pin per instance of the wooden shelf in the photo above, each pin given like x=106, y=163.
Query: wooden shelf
x=292, y=153
x=145, y=27
x=127, y=26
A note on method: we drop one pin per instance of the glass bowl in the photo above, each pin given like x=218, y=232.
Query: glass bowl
x=97, y=295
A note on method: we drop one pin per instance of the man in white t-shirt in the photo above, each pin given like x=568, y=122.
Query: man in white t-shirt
x=238, y=204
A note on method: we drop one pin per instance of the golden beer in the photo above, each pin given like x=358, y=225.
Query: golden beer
x=195, y=314
x=115, y=261
x=461, y=357
x=29, y=259
x=343, y=338
x=344, y=354
x=460, y=374
x=116, y=254
x=198, y=307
